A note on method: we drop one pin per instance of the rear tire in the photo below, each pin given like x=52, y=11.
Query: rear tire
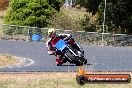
x=59, y=64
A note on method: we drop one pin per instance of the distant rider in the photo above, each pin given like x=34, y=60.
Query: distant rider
x=54, y=38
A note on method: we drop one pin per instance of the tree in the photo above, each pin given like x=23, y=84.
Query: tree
x=91, y=5
x=31, y=12
x=118, y=13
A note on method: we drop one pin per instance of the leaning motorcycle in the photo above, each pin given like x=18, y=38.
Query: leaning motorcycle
x=70, y=54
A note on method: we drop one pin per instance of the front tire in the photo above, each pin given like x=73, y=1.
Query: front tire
x=85, y=61
x=73, y=58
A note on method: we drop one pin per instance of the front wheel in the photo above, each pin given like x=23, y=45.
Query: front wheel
x=85, y=61
x=82, y=61
x=73, y=59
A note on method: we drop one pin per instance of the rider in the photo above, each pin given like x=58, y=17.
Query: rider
x=54, y=38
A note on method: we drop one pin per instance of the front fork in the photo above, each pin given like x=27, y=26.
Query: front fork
x=80, y=54
x=81, y=49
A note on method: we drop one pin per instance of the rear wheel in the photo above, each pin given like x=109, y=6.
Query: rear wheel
x=59, y=64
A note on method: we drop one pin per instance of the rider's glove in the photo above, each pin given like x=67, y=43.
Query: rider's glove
x=51, y=52
x=67, y=38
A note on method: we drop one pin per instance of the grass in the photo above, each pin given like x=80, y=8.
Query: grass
x=6, y=60
x=1, y=32
x=49, y=80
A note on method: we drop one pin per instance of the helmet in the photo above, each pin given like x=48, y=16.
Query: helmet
x=52, y=33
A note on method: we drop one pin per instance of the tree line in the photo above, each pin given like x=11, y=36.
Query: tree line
x=118, y=13
x=38, y=13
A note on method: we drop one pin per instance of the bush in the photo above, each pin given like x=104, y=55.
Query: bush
x=87, y=25
x=68, y=19
x=8, y=30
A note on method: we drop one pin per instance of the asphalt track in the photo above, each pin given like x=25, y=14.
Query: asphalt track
x=34, y=58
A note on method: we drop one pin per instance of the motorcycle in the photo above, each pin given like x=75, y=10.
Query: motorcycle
x=70, y=54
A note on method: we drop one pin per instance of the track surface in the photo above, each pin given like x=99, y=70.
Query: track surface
x=99, y=58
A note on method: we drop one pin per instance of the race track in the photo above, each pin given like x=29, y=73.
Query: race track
x=35, y=58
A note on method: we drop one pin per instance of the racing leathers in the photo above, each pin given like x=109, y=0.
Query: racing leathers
x=51, y=46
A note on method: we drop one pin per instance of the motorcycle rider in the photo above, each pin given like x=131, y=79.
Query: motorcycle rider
x=54, y=38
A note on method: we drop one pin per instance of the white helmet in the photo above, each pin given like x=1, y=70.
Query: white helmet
x=52, y=33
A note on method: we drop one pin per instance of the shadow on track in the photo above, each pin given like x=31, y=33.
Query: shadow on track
x=68, y=65
x=74, y=65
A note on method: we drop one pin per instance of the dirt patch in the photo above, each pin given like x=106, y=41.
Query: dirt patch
x=2, y=14
x=6, y=60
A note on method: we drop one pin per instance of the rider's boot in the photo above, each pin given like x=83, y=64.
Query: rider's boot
x=59, y=61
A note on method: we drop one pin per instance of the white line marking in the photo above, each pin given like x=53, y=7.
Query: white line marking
x=23, y=62
x=31, y=62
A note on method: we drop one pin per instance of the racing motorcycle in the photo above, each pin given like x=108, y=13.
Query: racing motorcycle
x=70, y=54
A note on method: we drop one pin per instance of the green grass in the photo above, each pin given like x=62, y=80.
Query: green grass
x=1, y=32
x=56, y=83
x=47, y=80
